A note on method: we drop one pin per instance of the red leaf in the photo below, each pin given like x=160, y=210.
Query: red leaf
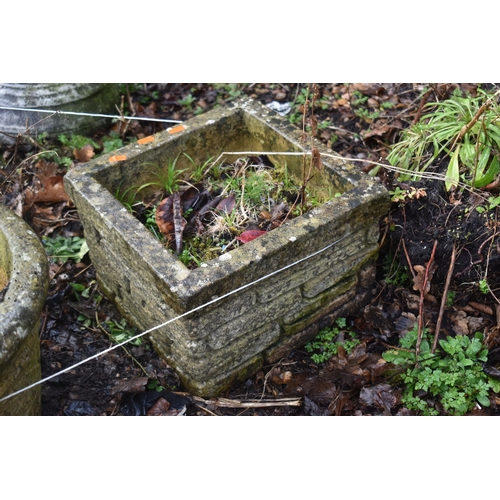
x=250, y=235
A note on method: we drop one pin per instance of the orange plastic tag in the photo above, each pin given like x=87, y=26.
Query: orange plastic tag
x=176, y=129
x=117, y=158
x=146, y=140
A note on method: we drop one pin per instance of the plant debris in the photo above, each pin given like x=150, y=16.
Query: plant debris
x=232, y=205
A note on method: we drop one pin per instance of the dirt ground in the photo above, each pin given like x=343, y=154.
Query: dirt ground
x=358, y=121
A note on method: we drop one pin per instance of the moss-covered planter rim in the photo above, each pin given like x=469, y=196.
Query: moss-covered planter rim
x=23, y=258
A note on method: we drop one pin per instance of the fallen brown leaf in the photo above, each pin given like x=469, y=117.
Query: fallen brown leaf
x=84, y=154
x=161, y=409
x=135, y=384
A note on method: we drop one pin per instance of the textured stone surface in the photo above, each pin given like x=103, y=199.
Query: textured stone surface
x=25, y=262
x=212, y=346
x=75, y=97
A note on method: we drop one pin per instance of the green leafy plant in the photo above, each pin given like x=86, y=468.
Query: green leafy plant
x=492, y=203
x=54, y=157
x=450, y=297
x=453, y=375
x=187, y=101
x=154, y=385
x=62, y=248
x=120, y=331
x=81, y=291
x=112, y=142
x=76, y=141
x=483, y=286
x=464, y=129
x=326, y=343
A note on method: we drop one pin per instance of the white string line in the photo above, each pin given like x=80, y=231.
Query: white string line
x=86, y=360
x=57, y=112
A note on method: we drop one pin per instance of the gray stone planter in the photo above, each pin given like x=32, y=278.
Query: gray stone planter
x=233, y=337
x=92, y=98
x=24, y=261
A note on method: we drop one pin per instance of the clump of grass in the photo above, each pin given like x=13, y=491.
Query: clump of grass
x=464, y=130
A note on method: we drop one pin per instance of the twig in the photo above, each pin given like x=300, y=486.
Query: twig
x=253, y=403
x=408, y=259
x=444, y=298
x=421, y=304
x=423, y=101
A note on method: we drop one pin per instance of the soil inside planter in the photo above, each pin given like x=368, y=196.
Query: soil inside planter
x=219, y=207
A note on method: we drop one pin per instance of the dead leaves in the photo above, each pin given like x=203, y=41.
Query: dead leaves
x=186, y=211
x=48, y=187
x=382, y=396
x=421, y=281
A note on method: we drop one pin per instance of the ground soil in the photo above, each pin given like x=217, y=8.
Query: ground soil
x=357, y=125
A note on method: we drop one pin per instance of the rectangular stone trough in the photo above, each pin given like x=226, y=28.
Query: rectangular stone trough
x=264, y=298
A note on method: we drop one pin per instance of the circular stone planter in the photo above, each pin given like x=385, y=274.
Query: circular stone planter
x=24, y=261
x=92, y=98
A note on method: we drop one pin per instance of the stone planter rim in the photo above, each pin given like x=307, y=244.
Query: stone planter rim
x=27, y=268
x=188, y=283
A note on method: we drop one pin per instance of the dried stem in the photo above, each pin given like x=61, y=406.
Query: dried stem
x=421, y=304
x=443, y=300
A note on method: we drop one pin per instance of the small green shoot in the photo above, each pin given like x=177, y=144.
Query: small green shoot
x=450, y=297
x=120, y=331
x=199, y=168
x=81, y=291
x=168, y=180
x=484, y=287
x=154, y=385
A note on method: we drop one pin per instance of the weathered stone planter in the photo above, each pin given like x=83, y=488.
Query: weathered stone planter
x=24, y=261
x=233, y=337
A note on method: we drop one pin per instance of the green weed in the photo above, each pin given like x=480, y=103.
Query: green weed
x=81, y=291
x=484, y=287
x=325, y=345
x=120, y=331
x=198, y=168
x=187, y=101
x=453, y=375
x=76, y=141
x=492, y=203
x=61, y=248
x=112, y=142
